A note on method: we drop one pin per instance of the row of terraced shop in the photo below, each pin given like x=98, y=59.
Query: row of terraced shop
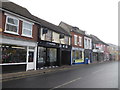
x=30, y=43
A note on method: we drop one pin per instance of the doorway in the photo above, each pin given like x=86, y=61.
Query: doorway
x=31, y=59
x=66, y=55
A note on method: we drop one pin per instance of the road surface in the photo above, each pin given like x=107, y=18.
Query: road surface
x=100, y=75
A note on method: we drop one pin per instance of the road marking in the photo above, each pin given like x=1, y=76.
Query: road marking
x=97, y=71
x=65, y=83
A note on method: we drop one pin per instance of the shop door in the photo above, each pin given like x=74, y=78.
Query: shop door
x=41, y=57
x=30, y=64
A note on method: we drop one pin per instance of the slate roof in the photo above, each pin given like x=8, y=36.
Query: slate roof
x=96, y=40
x=17, y=9
x=70, y=28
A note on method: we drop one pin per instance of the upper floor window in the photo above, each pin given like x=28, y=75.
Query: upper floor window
x=66, y=40
x=75, y=39
x=85, y=43
x=80, y=41
x=55, y=37
x=89, y=44
x=46, y=34
x=27, y=29
x=69, y=40
x=12, y=25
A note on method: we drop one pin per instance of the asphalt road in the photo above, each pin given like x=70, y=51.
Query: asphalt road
x=100, y=75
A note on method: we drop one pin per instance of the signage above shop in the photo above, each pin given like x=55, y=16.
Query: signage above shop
x=51, y=43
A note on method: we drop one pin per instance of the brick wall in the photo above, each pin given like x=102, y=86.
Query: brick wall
x=73, y=33
x=34, y=32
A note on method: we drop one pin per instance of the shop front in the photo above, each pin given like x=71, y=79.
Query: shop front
x=77, y=55
x=17, y=55
x=52, y=54
x=88, y=55
x=47, y=55
x=65, y=54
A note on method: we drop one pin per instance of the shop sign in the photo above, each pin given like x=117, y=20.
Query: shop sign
x=51, y=43
x=95, y=50
x=81, y=49
x=79, y=60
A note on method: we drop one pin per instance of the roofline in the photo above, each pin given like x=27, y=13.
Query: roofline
x=19, y=15
x=28, y=19
x=67, y=25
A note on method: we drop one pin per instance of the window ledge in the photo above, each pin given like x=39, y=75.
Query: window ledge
x=11, y=32
x=26, y=35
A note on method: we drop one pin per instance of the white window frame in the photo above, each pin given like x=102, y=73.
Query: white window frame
x=80, y=41
x=54, y=36
x=27, y=29
x=85, y=42
x=6, y=31
x=75, y=39
x=66, y=37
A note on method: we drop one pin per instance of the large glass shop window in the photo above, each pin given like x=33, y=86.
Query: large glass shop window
x=77, y=55
x=52, y=54
x=73, y=55
x=41, y=55
x=13, y=54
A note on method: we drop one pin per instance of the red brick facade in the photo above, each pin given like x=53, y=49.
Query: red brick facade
x=73, y=33
x=34, y=31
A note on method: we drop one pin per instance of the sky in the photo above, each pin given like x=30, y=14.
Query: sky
x=97, y=17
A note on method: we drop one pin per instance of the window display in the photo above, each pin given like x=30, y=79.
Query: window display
x=41, y=55
x=13, y=54
x=77, y=56
x=52, y=54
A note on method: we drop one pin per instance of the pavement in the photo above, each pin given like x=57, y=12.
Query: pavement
x=24, y=74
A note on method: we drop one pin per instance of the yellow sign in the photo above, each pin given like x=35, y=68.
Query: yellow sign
x=79, y=60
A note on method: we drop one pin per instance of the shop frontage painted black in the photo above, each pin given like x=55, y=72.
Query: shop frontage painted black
x=52, y=54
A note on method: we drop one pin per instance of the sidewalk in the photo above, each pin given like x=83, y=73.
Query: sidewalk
x=24, y=74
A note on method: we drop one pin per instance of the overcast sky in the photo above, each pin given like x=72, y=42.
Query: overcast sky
x=97, y=17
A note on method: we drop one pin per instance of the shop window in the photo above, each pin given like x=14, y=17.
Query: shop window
x=41, y=55
x=77, y=56
x=13, y=54
x=27, y=29
x=73, y=55
x=12, y=24
x=52, y=54
x=80, y=54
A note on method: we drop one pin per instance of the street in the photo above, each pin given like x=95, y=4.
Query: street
x=100, y=75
